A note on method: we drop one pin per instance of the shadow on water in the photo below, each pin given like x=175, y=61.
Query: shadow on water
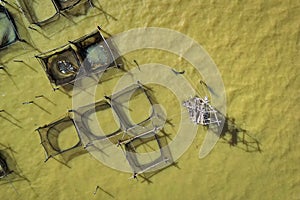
x=232, y=133
x=68, y=156
x=209, y=88
x=103, y=190
x=150, y=94
x=6, y=116
x=11, y=172
x=46, y=98
x=65, y=157
x=146, y=177
x=64, y=90
x=100, y=8
x=25, y=64
x=165, y=160
x=238, y=137
x=10, y=76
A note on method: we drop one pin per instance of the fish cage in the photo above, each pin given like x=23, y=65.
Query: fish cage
x=128, y=134
x=65, y=4
x=135, y=99
x=8, y=29
x=119, y=109
x=157, y=157
x=87, y=117
x=81, y=57
x=4, y=170
x=36, y=14
x=96, y=54
x=61, y=64
x=50, y=139
x=139, y=133
x=15, y=39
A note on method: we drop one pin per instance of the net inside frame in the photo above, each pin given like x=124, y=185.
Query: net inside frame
x=76, y=53
x=59, y=7
x=8, y=29
x=49, y=138
x=129, y=136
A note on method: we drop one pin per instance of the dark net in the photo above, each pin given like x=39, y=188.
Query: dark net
x=4, y=171
x=132, y=135
x=86, y=122
x=49, y=135
x=61, y=64
x=96, y=54
x=8, y=30
x=130, y=102
x=35, y=11
x=15, y=39
x=154, y=155
x=89, y=52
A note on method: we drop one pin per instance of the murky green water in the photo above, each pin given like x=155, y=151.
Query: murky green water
x=255, y=45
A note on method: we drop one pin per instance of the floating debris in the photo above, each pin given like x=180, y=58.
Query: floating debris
x=201, y=112
x=178, y=72
x=27, y=102
x=97, y=188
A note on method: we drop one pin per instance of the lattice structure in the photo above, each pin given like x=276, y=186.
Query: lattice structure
x=201, y=112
